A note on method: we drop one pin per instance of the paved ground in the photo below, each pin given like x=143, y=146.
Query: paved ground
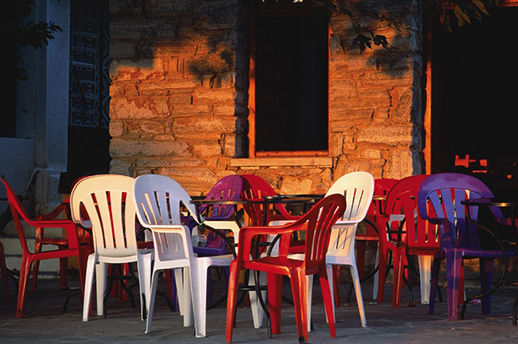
x=44, y=322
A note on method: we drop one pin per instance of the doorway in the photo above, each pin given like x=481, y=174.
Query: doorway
x=474, y=90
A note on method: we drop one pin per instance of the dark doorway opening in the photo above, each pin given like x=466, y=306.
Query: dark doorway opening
x=475, y=74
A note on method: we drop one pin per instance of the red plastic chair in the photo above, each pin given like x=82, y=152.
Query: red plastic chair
x=255, y=187
x=28, y=258
x=84, y=238
x=381, y=189
x=405, y=233
x=443, y=193
x=317, y=223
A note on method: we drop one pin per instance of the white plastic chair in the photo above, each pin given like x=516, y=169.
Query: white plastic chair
x=112, y=220
x=158, y=199
x=358, y=189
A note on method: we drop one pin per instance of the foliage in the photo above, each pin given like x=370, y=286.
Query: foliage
x=451, y=13
x=25, y=32
x=458, y=13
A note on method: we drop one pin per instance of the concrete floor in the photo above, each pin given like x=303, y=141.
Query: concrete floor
x=44, y=322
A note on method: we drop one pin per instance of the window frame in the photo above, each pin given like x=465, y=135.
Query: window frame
x=252, y=153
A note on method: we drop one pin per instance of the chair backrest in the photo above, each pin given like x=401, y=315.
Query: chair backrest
x=402, y=199
x=255, y=187
x=381, y=189
x=357, y=188
x=444, y=193
x=18, y=212
x=106, y=199
x=158, y=200
x=227, y=188
x=320, y=219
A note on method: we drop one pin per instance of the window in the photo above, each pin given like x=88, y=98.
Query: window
x=288, y=80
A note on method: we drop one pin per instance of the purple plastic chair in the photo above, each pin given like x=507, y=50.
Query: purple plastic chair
x=459, y=238
x=227, y=188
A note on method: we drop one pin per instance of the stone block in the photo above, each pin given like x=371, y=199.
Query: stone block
x=294, y=186
x=144, y=129
x=399, y=164
x=132, y=148
x=140, y=108
x=396, y=135
x=116, y=128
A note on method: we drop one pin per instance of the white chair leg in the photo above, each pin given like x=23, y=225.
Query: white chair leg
x=359, y=297
x=144, y=275
x=309, y=299
x=199, y=297
x=425, y=268
x=101, y=277
x=255, y=304
x=186, y=298
x=178, y=280
x=90, y=270
x=329, y=271
x=151, y=300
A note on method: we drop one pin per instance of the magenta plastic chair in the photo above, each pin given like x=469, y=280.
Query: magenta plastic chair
x=444, y=192
x=220, y=217
x=227, y=188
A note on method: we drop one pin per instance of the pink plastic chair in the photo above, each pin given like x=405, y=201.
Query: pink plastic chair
x=444, y=192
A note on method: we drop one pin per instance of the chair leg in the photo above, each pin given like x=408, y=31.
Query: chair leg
x=425, y=266
x=89, y=280
x=436, y=266
x=382, y=273
x=144, y=278
x=233, y=284
x=309, y=299
x=24, y=276
x=255, y=304
x=486, y=270
x=274, y=300
x=359, y=298
x=298, y=289
x=186, y=300
x=453, y=273
x=63, y=272
x=199, y=297
x=328, y=301
x=337, y=276
x=376, y=277
x=151, y=300
x=101, y=277
x=398, y=277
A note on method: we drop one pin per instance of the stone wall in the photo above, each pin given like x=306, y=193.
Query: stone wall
x=179, y=96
